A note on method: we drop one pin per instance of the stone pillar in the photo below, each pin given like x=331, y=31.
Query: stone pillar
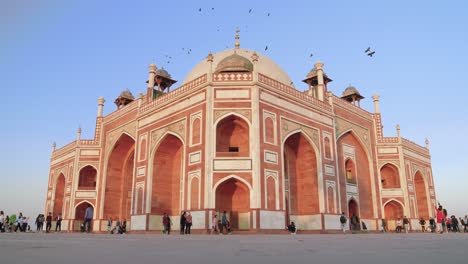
x=330, y=97
x=321, y=83
x=427, y=143
x=100, y=106
x=375, y=98
x=140, y=99
x=54, y=146
x=152, y=73
x=398, y=130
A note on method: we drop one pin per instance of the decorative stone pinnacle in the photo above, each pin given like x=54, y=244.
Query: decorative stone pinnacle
x=79, y=130
x=398, y=130
x=54, y=145
x=427, y=143
x=140, y=96
x=237, y=44
x=101, y=100
x=318, y=65
x=376, y=97
x=210, y=57
x=152, y=67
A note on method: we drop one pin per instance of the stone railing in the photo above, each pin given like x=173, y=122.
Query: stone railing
x=389, y=140
x=349, y=106
x=86, y=142
x=64, y=149
x=293, y=92
x=232, y=76
x=119, y=112
x=414, y=146
x=175, y=93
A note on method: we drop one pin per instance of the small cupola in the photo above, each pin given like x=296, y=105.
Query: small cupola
x=352, y=95
x=234, y=63
x=124, y=99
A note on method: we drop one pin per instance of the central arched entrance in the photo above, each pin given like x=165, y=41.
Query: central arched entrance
x=353, y=209
x=119, y=177
x=393, y=210
x=421, y=196
x=59, y=195
x=167, y=173
x=300, y=172
x=233, y=196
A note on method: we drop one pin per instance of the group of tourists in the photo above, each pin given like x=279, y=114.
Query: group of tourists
x=185, y=223
x=20, y=223
x=118, y=228
x=218, y=226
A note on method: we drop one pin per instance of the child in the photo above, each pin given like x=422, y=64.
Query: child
x=229, y=227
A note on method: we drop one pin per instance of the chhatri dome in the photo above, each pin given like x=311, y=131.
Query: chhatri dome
x=239, y=60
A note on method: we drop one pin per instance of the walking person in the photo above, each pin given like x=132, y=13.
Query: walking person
x=465, y=229
x=422, y=222
x=6, y=224
x=188, y=223
x=39, y=222
x=58, y=223
x=88, y=218
x=109, y=225
x=432, y=224
x=384, y=226
x=398, y=225
x=343, y=221
x=19, y=223
x=123, y=230
x=165, y=224
x=48, y=222
x=214, y=224
x=182, y=223
x=223, y=223
x=116, y=229
x=440, y=219
x=354, y=223
x=406, y=224
x=2, y=221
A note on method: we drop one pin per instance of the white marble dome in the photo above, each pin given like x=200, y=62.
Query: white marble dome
x=264, y=65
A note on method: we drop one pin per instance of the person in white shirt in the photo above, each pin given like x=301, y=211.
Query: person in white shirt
x=2, y=222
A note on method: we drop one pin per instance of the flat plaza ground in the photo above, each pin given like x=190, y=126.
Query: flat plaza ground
x=151, y=248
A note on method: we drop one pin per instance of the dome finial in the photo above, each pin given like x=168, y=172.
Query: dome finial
x=237, y=44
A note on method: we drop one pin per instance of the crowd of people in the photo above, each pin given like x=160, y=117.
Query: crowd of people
x=442, y=223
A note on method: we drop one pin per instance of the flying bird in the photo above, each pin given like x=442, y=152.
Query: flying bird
x=212, y=8
x=311, y=55
x=367, y=50
x=199, y=9
x=266, y=48
x=250, y=10
x=268, y=14
x=371, y=53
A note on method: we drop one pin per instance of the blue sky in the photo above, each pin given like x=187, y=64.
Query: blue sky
x=58, y=57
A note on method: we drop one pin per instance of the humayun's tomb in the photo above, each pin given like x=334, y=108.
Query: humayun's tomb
x=236, y=136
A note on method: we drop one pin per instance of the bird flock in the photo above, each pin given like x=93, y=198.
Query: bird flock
x=188, y=51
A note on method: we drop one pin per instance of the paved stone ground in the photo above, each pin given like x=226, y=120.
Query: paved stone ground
x=258, y=249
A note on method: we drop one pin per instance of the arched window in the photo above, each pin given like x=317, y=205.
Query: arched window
x=389, y=176
x=232, y=137
x=269, y=130
x=196, y=131
x=143, y=149
x=87, y=178
x=271, y=193
x=350, y=171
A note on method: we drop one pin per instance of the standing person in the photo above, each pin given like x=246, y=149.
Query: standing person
x=223, y=223
x=117, y=227
x=164, y=223
x=406, y=224
x=188, y=223
x=440, y=219
x=58, y=223
x=354, y=223
x=214, y=224
x=422, y=222
x=109, y=225
x=432, y=224
x=6, y=224
x=182, y=223
x=48, y=222
x=37, y=222
x=2, y=221
x=292, y=228
x=455, y=223
x=343, y=221
x=465, y=229
x=25, y=223
x=124, y=226
x=169, y=224
x=88, y=218
x=19, y=223
x=384, y=225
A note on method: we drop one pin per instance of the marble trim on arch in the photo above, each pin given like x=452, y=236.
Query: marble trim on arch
x=178, y=127
x=114, y=135
x=342, y=125
x=395, y=163
x=288, y=126
x=247, y=113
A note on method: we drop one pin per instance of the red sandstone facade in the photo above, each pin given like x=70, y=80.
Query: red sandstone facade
x=237, y=137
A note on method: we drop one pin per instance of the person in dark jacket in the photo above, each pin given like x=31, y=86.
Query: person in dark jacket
x=183, y=221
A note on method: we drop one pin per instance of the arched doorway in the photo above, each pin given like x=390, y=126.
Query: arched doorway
x=393, y=210
x=353, y=209
x=232, y=137
x=117, y=199
x=421, y=196
x=233, y=196
x=59, y=195
x=301, y=177
x=390, y=177
x=87, y=178
x=167, y=173
x=80, y=214
x=355, y=169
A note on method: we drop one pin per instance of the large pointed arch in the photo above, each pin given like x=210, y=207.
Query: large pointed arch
x=390, y=176
x=233, y=135
x=117, y=184
x=364, y=171
x=59, y=194
x=302, y=178
x=165, y=178
x=422, y=197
